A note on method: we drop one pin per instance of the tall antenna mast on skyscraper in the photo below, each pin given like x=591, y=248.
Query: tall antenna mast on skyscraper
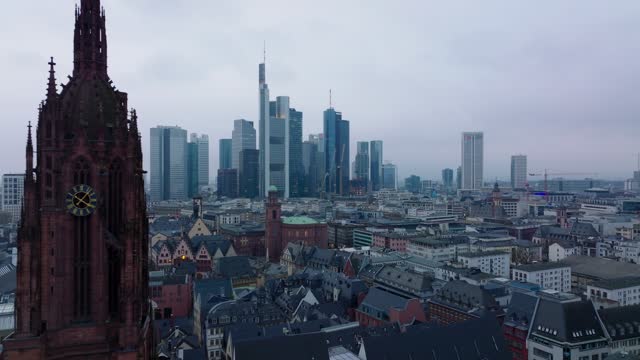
x=264, y=54
x=330, y=100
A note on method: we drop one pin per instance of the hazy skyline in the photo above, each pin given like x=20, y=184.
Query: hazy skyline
x=559, y=82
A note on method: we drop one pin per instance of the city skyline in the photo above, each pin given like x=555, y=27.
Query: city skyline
x=540, y=109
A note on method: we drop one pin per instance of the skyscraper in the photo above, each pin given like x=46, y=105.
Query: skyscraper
x=447, y=179
x=248, y=177
x=316, y=172
x=12, y=194
x=413, y=184
x=310, y=166
x=459, y=177
x=277, y=169
x=389, y=176
x=243, y=137
x=224, y=153
x=472, y=160
x=296, y=170
x=169, y=161
x=192, y=170
x=227, y=182
x=82, y=287
x=202, y=142
x=336, y=139
x=362, y=163
x=518, y=171
x=376, y=155
x=264, y=129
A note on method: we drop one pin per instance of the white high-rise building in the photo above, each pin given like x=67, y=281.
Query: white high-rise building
x=12, y=194
x=243, y=138
x=203, y=158
x=169, y=159
x=518, y=171
x=472, y=160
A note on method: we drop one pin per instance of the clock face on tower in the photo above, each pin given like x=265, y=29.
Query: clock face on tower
x=81, y=200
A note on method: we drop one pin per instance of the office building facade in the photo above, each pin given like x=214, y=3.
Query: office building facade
x=248, y=176
x=243, y=137
x=447, y=179
x=296, y=169
x=202, y=142
x=224, y=153
x=362, y=164
x=336, y=140
x=228, y=183
x=472, y=160
x=518, y=171
x=169, y=160
x=376, y=156
x=12, y=195
x=389, y=176
x=192, y=170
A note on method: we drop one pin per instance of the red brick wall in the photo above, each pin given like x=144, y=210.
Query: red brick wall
x=177, y=297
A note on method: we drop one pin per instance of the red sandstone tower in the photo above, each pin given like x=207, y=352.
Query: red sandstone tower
x=82, y=290
x=273, y=226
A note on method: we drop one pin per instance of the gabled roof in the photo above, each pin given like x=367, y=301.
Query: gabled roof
x=583, y=229
x=235, y=266
x=299, y=347
x=383, y=301
x=405, y=279
x=211, y=242
x=474, y=339
x=570, y=322
x=465, y=296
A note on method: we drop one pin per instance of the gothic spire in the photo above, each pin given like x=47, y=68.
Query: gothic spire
x=29, y=169
x=90, y=39
x=51, y=89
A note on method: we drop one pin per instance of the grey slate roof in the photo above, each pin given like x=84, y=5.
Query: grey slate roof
x=383, y=300
x=235, y=266
x=541, y=266
x=409, y=279
x=600, y=268
x=462, y=295
x=474, y=339
x=521, y=310
x=571, y=322
x=622, y=322
x=618, y=283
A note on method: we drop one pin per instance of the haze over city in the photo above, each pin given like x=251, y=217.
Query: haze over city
x=413, y=74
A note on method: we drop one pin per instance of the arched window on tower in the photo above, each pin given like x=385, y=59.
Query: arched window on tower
x=114, y=198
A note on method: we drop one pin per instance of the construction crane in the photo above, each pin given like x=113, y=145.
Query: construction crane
x=546, y=178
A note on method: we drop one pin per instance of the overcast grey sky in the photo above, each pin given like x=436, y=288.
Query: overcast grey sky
x=556, y=80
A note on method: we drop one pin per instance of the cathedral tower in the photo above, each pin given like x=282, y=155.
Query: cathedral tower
x=82, y=287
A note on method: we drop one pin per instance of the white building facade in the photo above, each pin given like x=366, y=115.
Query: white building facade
x=491, y=262
x=550, y=276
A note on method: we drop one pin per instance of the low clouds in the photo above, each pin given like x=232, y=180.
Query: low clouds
x=559, y=82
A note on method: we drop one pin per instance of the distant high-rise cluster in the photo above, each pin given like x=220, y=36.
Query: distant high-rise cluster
x=336, y=140
x=389, y=176
x=178, y=168
x=447, y=179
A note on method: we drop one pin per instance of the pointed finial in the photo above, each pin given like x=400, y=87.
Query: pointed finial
x=52, y=90
x=29, y=142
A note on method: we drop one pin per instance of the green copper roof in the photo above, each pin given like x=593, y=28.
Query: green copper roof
x=299, y=220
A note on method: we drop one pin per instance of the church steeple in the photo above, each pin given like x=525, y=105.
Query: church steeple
x=90, y=39
x=29, y=169
x=52, y=91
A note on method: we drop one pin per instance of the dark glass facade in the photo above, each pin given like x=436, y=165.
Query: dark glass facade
x=296, y=169
x=225, y=153
x=336, y=139
x=249, y=177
